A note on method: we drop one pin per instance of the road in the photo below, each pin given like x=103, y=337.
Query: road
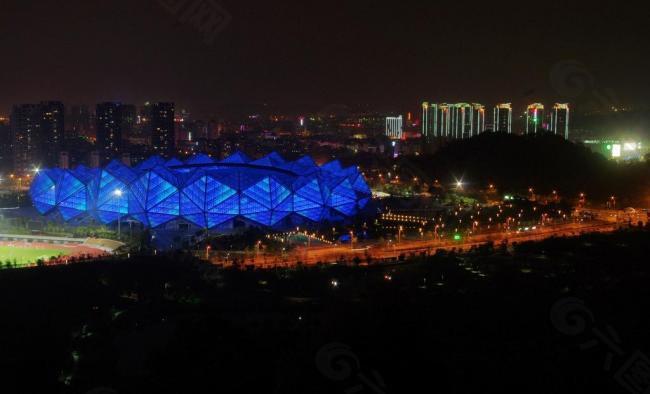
x=633, y=216
x=313, y=255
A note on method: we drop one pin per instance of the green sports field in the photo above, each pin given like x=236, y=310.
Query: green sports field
x=25, y=256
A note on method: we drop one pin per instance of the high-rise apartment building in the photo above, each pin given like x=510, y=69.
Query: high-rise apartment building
x=560, y=120
x=502, y=120
x=52, y=130
x=37, y=134
x=456, y=121
x=160, y=117
x=395, y=127
x=109, y=130
x=535, y=118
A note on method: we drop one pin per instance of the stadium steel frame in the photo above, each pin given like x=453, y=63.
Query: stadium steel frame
x=269, y=192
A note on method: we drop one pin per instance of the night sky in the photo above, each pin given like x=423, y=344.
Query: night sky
x=306, y=55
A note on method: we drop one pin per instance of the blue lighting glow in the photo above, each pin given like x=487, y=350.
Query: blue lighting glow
x=269, y=192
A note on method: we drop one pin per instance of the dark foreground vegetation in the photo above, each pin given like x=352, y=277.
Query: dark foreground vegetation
x=490, y=321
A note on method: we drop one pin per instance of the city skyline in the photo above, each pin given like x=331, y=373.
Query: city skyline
x=116, y=130
x=90, y=109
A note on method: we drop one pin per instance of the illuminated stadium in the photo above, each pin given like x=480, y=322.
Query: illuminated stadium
x=269, y=192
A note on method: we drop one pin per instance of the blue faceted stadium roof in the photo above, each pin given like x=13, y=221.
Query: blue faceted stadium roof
x=200, y=159
x=237, y=157
x=269, y=192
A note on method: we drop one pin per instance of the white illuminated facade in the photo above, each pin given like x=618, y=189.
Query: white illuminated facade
x=430, y=114
x=456, y=121
x=560, y=120
x=502, y=120
x=445, y=120
x=535, y=118
x=478, y=119
x=395, y=127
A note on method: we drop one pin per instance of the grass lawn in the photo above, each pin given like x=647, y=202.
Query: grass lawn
x=25, y=256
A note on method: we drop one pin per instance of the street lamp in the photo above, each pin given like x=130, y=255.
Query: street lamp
x=118, y=194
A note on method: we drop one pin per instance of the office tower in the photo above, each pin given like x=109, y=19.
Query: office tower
x=109, y=130
x=160, y=117
x=79, y=121
x=37, y=134
x=25, y=136
x=184, y=127
x=534, y=118
x=395, y=127
x=560, y=120
x=5, y=145
x=502, y=118
x=128, y=119
x=52, y=130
